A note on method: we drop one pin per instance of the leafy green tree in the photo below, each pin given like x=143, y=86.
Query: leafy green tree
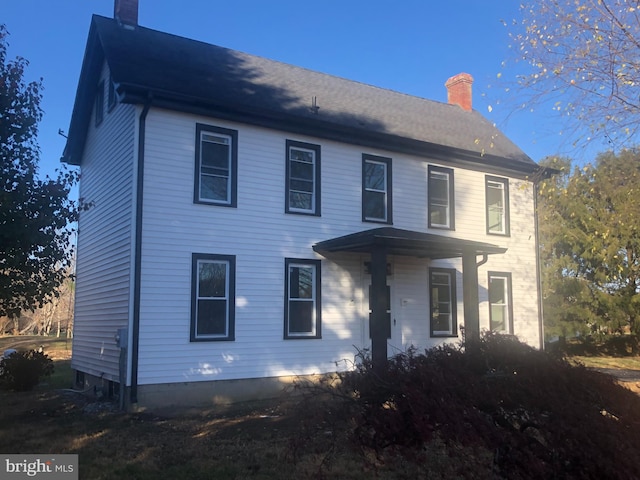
x=584, y=59
x=35, y=214
x=590, y=244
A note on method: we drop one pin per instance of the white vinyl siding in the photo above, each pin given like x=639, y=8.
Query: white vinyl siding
x=261, y=236
x=103, y=264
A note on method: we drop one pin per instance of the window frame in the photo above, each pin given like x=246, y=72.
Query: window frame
x=509, y=298
x=230, y=296
x=99, y=103
x=315, y=198
x=453, y=300
x=451, y=216
x=232, y=182
x=367, y=158
x=316, y=332
x=505, y=198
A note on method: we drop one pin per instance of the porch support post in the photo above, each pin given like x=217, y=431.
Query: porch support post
x=470, y=297
x=378, y=304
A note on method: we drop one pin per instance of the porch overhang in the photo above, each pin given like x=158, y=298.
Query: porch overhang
x=395, y=241
x=381, y=242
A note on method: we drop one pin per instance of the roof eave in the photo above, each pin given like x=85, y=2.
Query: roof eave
x=522, y=168
x=80, y=116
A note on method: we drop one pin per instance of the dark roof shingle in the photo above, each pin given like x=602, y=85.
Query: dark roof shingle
x=216, y=79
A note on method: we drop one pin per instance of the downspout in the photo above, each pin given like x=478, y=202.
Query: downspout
x=137, y=272
x=538, y=266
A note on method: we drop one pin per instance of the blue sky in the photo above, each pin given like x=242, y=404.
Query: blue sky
x=411, y=46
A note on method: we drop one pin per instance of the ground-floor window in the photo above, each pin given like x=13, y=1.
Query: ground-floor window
x=442, y=288
x=500, y=303
x=302, y=310
x=212, y=297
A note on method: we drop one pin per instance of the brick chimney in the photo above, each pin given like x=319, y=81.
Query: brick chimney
x=459, y=90
x=126, y=11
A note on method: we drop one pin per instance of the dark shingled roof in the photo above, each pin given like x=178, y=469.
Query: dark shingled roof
x=193, y=76
x=406, y=242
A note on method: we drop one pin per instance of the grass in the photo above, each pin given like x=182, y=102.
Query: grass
x=625, y=363
x=270, y=441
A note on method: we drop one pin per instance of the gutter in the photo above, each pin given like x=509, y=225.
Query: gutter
x=137, y=272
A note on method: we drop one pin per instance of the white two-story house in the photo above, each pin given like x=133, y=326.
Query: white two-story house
x=253, y=221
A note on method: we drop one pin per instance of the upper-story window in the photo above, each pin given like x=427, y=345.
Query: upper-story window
x=500, y=302
x=497, y=195
x=303, y=178
x=216, y=166
x=213, y=297
x=376, y=189
x=441, y=198
x=99, y=104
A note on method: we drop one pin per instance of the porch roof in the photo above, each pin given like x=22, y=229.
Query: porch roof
x=396, y=241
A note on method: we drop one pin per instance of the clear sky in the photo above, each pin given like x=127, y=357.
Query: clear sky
x=411, y=46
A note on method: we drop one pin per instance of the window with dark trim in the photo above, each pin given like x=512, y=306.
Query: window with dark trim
x=441, y=202
x=111, y=96
x=302, y=309
x=497, y=200
x=99, y=103
x=442, y=291
x=213, y=279
x=303, y=178
x=216, y=166
x=500, y=302
x=377, y=205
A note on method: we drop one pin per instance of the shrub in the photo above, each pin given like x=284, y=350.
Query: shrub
x=22, y=371
x=539, y=415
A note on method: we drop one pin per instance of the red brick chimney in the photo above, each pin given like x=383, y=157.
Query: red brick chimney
x=459, y=90
x=126, y=11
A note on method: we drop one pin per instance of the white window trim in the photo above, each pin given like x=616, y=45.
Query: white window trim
x=229, y=143
x=375, y=190
x=311, y=210
x=315, y=289
x=507, y=306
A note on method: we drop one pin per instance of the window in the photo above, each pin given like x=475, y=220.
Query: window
x=376, y=189
x=216, y=165
x=497, y=194
x=441, y=199
x=99, y=106
x=442, y=285
x=111, y=97
x=213, y=297
x=500, y=302
x=303, y=178
x=302, y=299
